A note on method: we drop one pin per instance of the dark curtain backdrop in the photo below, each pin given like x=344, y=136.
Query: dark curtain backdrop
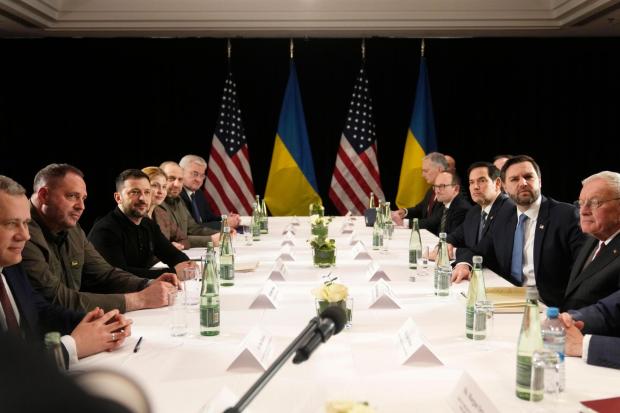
x=109, y=104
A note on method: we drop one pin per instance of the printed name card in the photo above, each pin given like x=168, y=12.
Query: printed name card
x=352, y=240
x=286, y=254
x=288, y=239
x=382, y=296
x=347, y=228
x=360, y=252
x=467, y=396
x=279, y=272
x=412, y=348
x=253, y=351
x=267, y=297
x=375, y=273
x=289, y=228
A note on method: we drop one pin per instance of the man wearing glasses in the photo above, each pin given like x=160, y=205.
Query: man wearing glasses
x=596, y=273
x=536, y=242
x=453, y=206
x=194, y=168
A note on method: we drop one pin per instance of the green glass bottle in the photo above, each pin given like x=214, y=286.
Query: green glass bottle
x=371, y=201
x=415, y=245
x=443, y=270
x=377, y=231
x=476, y=292
x=227, y=260
x=255, y=223
x=530, y=340
x=209, y=299
x=52, y=344
x=264, y=222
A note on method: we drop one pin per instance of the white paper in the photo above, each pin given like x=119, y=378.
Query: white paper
x=286, y=254
x=412, y=348
x=360, y=252
x=288, y=239
x=347, y=228
x=467, y=396
x=253, y=351
x=382, y=296
x=374, y=273
x=279, y=271
x=352, y=240
x=267, y=297
x=246, y=266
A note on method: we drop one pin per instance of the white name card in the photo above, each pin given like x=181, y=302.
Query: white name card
x=347, y=228
x=289, y=228
x=279, y=272
x=374, y=272
x=267, y=297
x=286, y=254
x=352, y=240
x=468, y=397
x=412, y=348
x=360, y=252
x=382, y=296
x=253, y=351
x=288, y=239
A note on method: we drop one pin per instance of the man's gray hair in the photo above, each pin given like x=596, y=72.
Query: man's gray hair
x=438, y=159
x=52, y=173
x=612, y=179
x=188, y=159
x=9, y=186
x=166, y=163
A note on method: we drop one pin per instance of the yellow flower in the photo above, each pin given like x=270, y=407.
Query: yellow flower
x=347, y=406
x=332, y=292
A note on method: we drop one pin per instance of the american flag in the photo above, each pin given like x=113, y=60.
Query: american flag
x=357, y=172
x=229, y=184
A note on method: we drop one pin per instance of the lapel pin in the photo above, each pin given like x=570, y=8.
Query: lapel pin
x=541, y=226
x=615, y=252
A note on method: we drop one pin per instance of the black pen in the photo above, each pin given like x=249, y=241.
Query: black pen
x=137, y=347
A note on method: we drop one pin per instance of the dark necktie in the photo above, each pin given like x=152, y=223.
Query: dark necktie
x=444, y=219
x=9, y=314
x=195, y=211
x=516, y=267
x=600, y=249
x=483, y=223
x=431, y=204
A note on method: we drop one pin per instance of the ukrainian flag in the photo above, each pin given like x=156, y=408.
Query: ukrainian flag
x=420, y=141
x=291, y=185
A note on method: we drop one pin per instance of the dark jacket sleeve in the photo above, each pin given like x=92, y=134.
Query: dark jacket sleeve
x=604, y=351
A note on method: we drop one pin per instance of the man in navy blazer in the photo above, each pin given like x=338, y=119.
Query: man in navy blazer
x=536, y=242
x=24, y=312
x=194, y=168
x=485, y=188
x=593, y=332
x=428, y=208
x=596, y=273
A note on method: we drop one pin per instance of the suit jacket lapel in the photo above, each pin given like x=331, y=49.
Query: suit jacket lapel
x=539, y=231
x=609, y=254
x=506, y=252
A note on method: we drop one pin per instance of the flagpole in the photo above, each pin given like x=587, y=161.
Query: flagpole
x=228, y=52
x=291, y=48
x=363, y=50
x=422, y=49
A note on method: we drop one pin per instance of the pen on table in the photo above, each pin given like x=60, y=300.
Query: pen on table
x=137, y=347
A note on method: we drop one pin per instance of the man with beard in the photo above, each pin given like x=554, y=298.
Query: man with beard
x=128, y=239
x=64, y=266
x=536, y=242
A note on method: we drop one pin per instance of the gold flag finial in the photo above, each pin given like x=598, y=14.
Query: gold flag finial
x=363, y=49
x=228, y=49
x=291, y=48
x=422, y=48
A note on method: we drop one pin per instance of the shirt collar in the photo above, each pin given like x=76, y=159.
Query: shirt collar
x=608, y=240
x=532, y=211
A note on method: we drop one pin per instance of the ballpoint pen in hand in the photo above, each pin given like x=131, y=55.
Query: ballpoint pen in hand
x=137, y=347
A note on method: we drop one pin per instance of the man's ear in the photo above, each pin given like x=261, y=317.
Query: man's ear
x=43, y=194
x=117, y=197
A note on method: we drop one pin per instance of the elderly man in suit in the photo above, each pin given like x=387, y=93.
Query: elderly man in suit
x=535, y=242
x=596, y=273
x=428, y=208
x=25, y=313
x=593, y=332
x=486, y=190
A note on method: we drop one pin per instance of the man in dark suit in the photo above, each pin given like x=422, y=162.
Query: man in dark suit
x=600, y=323
x=485, y=189
x=23, y=312
x=432, y=165
x=536, y=242
x=194, y=168
x=596, y=273
x=453, y=207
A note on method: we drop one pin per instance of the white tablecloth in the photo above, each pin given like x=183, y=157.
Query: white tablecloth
x=185, y=374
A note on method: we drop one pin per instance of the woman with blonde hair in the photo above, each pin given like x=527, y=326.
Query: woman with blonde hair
x=159, y=183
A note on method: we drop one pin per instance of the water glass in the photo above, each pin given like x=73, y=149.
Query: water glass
x=247, y=234
x=546, y=373
x=483, y=320
x=178, y=317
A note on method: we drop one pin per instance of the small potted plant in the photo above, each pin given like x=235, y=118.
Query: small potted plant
x=319, y=225
x=323, y=252
x=333, y=294
x=316, y=209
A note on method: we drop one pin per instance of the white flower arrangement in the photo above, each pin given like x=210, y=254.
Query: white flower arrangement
x=331, y=292
x=347, y=406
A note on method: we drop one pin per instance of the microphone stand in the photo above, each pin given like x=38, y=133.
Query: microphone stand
x=275, y=366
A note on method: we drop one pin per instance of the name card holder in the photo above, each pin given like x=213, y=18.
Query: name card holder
x=374, y=272
x=382, y=296
x=412, y=348
x=253, y=351
x=288, y=239
x=468, y=396
x=286, y=254
x=360, y=252
x=267, y=297
x=279, y=272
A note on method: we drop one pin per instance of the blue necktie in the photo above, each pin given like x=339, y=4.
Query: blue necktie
x=516, y=267
x=196, y=212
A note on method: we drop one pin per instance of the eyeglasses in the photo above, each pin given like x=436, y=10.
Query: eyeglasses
x=195, y=174
x=442, y=186
x=593, y=203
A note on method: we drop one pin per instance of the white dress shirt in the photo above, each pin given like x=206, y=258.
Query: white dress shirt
x=529, y=231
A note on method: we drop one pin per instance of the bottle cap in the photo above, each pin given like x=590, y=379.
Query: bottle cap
x=477, y=259
x=52, y=337
x=552, y=312
x=442, y=235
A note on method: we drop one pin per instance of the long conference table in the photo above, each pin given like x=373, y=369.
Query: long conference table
x=363, y=363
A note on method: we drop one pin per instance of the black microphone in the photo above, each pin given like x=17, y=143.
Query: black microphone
x=331, y=322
